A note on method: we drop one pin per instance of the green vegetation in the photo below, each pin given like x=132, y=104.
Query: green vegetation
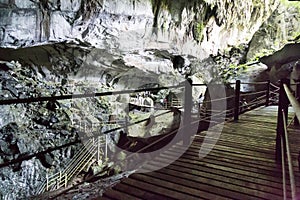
x=262, y=53
x=296, y=37
x=232, y=71
x=295, y=4
x=198, y=29
x=257, y=3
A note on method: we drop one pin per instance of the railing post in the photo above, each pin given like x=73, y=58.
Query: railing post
x=126, y=122
x=282, y=106
x=297, y=95
x=268, y=93
x=237, y=100
x=188, y=103
x=58, y=184
x=106, y=146
x=66, y=180
x=47, y=181
x=98, y=149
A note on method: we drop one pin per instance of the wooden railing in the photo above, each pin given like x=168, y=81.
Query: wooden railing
x=283, y=154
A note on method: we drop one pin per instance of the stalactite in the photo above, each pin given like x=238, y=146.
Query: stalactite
x=44, y=20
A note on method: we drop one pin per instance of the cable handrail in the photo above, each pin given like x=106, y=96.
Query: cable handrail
x=274, y=86
x=254, y=83
x=253, y=103
x=80, y=96
x=106, y=132
x=252, y=93
x=220, y=99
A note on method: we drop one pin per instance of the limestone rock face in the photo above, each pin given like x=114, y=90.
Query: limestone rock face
x=195, y=28
x=281, y=28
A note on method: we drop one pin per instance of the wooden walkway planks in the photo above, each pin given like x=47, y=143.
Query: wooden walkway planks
x=240, y=166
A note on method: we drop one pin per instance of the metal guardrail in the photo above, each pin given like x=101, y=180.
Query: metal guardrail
x=289, y=159
x=282, y=141
x=81, y=159
x=61, y=178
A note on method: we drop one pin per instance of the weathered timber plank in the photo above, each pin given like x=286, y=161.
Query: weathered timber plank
x=185, y=186
x=117, y=195
x=218, y=185
x=162, y=191
x=123, y=187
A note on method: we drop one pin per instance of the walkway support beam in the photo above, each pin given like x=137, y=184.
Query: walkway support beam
x=188, y=104
x=282, y=106
x=237, y=100
x=268, y=93
x=297, y=95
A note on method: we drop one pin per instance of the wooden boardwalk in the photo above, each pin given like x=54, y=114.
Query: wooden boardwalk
x=240, y=166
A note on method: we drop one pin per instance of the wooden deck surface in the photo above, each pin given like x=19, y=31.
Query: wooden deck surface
x=240, y=166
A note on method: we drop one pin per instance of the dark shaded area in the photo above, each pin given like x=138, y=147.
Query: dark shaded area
x=289, y=53
x=150, y=144
x=4, y=67
x=46, y=159
x=30, y=156
x=49, y=56
x=8, y=141
x=178, y=62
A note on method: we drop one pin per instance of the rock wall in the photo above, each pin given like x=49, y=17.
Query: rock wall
x=197, y=28
x=281, y=28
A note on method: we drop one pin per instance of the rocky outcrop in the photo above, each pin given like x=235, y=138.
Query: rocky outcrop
x=283, y=62
x=28, y=129
x=281, y=28
x=152, y=32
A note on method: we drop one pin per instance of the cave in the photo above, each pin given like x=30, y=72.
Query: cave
x=91, y=91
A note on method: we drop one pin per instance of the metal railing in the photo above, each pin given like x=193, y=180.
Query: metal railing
x=80, y=160
x=283, y=154
x=240, y=101
x=85, y=155
x=61, y=178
